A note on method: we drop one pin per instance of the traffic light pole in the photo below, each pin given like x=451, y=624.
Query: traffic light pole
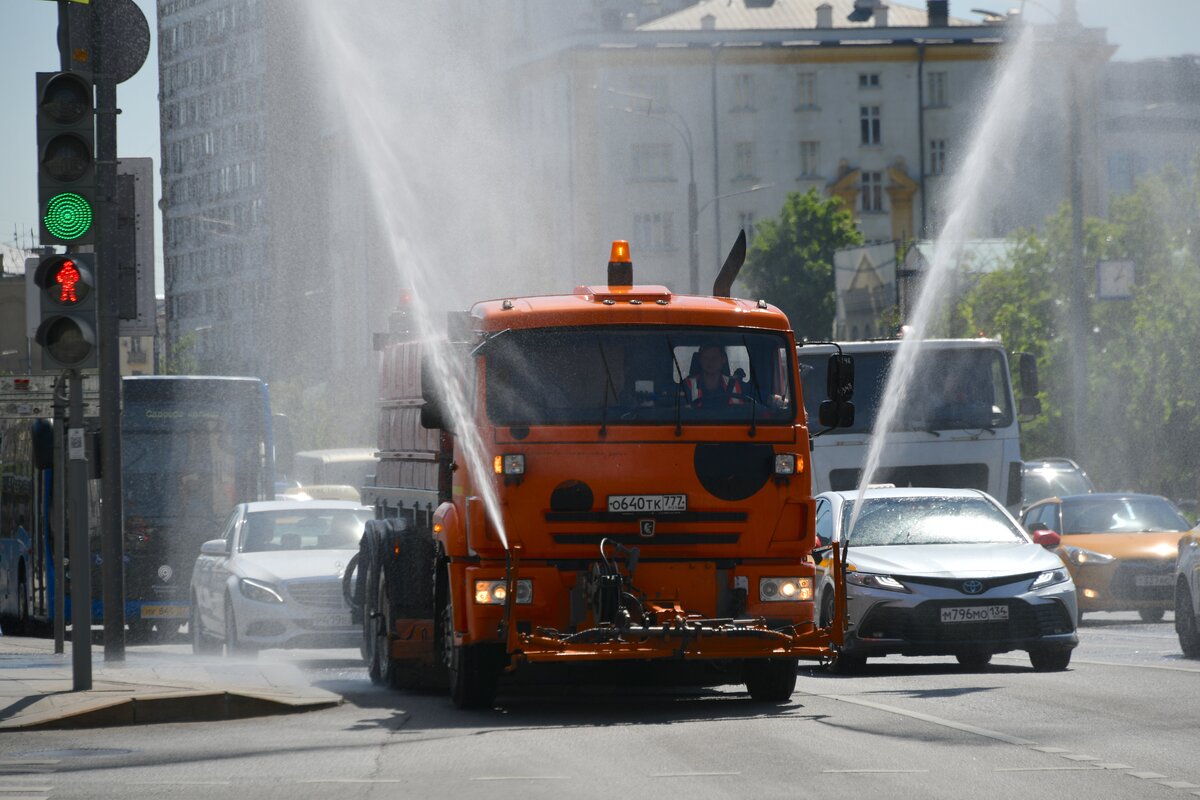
x=108, y=313
x=59, y=523
x=81, y=568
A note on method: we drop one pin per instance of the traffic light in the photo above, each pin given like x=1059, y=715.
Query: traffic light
x=66, y=139
x=67, y=333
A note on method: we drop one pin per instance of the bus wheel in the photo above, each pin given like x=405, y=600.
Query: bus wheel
x=470, y=671
x=771, y=680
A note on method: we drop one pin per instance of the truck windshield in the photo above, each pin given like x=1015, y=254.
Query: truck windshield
x=954, y=389
x=638, y=376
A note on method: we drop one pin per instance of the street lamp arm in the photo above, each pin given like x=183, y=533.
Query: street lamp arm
x=755, y=188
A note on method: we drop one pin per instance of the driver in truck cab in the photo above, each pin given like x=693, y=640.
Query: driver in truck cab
x=709, y=381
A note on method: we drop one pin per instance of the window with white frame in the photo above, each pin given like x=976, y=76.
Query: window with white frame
x=872, y=192
x=810, y=153
x=870, y=124
x=743, y=92
x=868, y=80
x=806, y=90
x=743, y=161
x=654, y=231
x=651, y=162
x=937, y=156
x=935, y=90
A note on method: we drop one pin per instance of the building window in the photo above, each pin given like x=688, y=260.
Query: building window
x=872, y=192
x=809, y=154
x=870, y=124
x=746, y=223
x=654, y=231
x=743, y=92
x=937, y=156
x=743, y=161
x=935, y=95
x=868, y=80
x=651, y=162
x=806, y=91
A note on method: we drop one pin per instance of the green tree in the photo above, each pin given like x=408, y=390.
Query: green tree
x=791, y=260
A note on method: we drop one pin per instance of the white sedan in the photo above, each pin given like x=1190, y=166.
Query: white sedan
x=274, y=578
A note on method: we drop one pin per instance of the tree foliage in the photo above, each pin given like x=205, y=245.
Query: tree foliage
x=1143, y=362
x=790, y=262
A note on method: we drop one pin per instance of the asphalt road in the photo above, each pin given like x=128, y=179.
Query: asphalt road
x=1122, y=722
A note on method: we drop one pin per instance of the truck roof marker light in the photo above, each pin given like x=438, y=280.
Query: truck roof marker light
x=620, y=265
x=507, y=305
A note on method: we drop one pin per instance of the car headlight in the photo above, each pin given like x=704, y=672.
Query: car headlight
x=1049, y=578
x=1079, y=556
x=493, y=593
x=874, y=581
x=261, y=591
x=784, y=590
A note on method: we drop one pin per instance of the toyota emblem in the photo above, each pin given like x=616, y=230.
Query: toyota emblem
x=972, y=586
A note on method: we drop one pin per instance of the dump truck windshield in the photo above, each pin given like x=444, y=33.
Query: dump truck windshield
x=638, y=376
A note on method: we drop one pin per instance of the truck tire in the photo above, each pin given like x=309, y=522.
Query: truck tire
x=771, y=680
x=403, y=567
x=368, y=572
x=472, y=671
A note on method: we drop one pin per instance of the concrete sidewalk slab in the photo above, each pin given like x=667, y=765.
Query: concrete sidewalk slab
x=36, y=689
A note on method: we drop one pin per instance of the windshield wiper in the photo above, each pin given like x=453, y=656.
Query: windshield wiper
x=679, y=389
x=608, y=386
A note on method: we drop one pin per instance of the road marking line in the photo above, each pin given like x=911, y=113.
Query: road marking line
x=1077, y=757
x=1179, y=784
x=1146, y=776
x=356, y=780
x=1064, y=768
x=694, y=774
x=523, y=778
x=871, y=771
x=24, y=789
x=1050, y=749
x=1000, y=737
x=1114, y=766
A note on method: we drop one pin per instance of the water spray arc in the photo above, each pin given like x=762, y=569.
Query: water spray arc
x=993, y=144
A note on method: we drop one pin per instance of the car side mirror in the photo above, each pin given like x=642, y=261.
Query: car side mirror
x=1046, y=538
x=213, y=547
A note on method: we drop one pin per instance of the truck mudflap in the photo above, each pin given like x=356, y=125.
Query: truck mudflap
x=686, y=639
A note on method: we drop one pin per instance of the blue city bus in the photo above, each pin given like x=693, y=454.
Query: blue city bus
x=191, y=449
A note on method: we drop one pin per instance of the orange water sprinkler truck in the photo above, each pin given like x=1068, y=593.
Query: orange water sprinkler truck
x=625, y=495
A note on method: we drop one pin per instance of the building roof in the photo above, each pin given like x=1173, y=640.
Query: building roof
x=785, y=14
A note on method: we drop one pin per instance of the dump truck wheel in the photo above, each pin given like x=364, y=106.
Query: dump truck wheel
x=771, y=680
x=369, y=573
x=471, y=671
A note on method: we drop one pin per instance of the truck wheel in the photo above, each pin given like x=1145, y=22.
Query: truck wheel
x=771, y=680
x=471, y=672
x=403, y=565
x=372, y=624
x=1185, y=622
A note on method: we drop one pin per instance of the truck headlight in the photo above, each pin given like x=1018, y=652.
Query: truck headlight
x=782, y=590
x=512, y=464
x=785, y=463
x=493, y=593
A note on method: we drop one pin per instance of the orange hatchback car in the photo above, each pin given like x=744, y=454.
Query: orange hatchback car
x=1119, y=548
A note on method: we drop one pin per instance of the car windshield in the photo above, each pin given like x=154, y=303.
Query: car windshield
x=1042, y=482
x=1120, y=514
x=930, y=520
x=303, y=529
x=638, y=376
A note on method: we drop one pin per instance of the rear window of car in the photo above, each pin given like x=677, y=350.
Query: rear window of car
x=303, y=529
x=1133, y=514
x=930, y=520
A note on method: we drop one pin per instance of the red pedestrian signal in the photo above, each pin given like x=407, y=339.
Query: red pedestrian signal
x=67, y=332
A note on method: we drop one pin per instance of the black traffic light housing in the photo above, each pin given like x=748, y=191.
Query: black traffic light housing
x=67, y=297
x=66, y=140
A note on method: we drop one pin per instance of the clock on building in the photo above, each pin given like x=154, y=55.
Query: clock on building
x=1114, y=280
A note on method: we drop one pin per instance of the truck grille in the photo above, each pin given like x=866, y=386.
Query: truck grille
x=324, y=593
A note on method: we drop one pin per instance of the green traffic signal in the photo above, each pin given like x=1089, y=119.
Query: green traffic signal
x=68, y=216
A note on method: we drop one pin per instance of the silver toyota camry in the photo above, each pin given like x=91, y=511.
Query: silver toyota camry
x=949, y=572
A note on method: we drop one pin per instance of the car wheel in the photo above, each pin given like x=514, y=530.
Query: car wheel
x=1185, y=622
x=974, y=659
x=202, y=643
x=1050, y=659
x=771, y=680
x=1152, y=614
x=471, y=672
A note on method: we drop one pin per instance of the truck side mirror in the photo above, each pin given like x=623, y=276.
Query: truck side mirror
x=839, y=380
x=1029, y=406
x=434, y=414
x=832, y=414
x=1027, y=366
